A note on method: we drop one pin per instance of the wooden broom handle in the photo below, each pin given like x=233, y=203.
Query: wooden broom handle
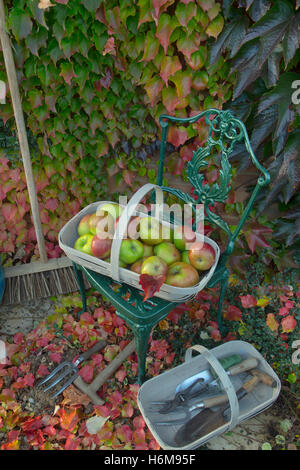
x=22, y=135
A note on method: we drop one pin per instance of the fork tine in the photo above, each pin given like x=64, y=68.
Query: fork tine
x=57, y=369
x=68, y=382
x=58, y=379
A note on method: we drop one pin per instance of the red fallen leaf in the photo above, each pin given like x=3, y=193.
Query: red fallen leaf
x=233, y=313
x=248, y=301
x=72, y=443
x=283, y=311
x=18, y=338
x=151, y=284
x=55, y=357
x=87, y=372
x=32, y=424
x=288, y=324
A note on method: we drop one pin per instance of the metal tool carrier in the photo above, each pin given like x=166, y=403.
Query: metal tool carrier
x=68, y=235
x=164, y=386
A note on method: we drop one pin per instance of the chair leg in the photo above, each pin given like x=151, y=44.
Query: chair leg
x=224, y=284
x=142, y=335
x=79, y=278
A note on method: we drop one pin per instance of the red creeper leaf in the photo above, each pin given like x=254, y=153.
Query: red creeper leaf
x=151, y=284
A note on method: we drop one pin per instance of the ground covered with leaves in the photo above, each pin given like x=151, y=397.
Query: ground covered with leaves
x=267, y=316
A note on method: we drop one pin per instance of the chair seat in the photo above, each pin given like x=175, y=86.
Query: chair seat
x=128, y=300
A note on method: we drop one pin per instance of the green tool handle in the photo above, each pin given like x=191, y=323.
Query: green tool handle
x=228, y=362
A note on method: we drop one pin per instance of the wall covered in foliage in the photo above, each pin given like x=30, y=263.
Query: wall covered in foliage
x=95, y=76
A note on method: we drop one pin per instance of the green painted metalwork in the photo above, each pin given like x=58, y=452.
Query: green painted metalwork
x=224, y=131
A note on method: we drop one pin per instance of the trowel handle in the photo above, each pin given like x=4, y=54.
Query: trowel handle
x=214, y=401
x=263, y=377
x=243, y=366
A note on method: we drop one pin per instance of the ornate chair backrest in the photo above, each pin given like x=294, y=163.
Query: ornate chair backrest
x=224, y=131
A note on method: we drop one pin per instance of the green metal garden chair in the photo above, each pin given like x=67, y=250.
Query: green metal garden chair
x=224, y=132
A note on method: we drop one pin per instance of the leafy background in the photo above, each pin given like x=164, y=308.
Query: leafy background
x=94, y=78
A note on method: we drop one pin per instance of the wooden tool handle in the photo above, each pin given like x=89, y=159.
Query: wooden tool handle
x=250, y=384
x=94, y=349
x=215, y=401
x=101, y=378
x=243, y=366
x=22, y=135
x=263, y=377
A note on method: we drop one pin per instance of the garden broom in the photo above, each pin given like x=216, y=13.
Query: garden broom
x=45, y=277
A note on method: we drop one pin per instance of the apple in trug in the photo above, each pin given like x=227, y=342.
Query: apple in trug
x=201, y=256
x=133, y=228
x=185, y=257
x=182, y=275
x=115, y=210
x=183, y=236
x=148, y=251
x=154, y=266
x=84, y=243
x=101, y=247
x=100, y=223
x=168, y=252
x=131, y=251
x=121, y=264
x=137, y=266
x=83, y=226
x=152, y=232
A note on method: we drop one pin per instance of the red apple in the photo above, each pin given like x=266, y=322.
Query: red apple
x=100, y=247
x=183, y=236
x=103, y=226
x=133, y=228
x=182, y=275
x=154, y=266
x=201, y=256
x=83, y=227
x=137, y=266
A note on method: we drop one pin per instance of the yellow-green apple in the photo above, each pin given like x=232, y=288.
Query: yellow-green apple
x=101, y=247
x=101, y=223
x=131, y=251
x=83, y=226
x=185, y=257
x=182, y=275
x=183, y=236
x=152, y=232
x=148, y=251
x=84, y=243
x=114, y=209
x=137, y=266
x=168, y=252
x=201, y=256
x=154, y=266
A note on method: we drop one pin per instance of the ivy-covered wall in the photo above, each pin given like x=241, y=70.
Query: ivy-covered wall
x=94, y=77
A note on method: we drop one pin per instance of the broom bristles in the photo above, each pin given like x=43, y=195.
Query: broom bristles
x=26, y=287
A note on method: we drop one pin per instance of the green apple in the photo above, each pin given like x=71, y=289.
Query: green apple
x=154, y=266
x=152, y=232
x=83, y=226
x=183, y=236
x=84, y=243
x=185, y=257
x=131, y=251
x=148, y=251
x=121, y=264
x=168, y=252
x=182, y=275
x=110, y=208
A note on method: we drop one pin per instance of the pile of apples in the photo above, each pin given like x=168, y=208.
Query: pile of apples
x=150, y=247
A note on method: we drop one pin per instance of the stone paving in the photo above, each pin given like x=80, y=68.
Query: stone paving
x=250, y=435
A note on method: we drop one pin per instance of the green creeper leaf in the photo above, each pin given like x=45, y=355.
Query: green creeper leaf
x=151, y=47
x=67, y=72
x=20, y=23
x=200, y=80
x=189, y=44
x=91, y=5
x=166, y=25
x=198, y=58
x=36, y=98
x=170, y=99
x=183, y=83
x=169, y=66
x=145, y=12
x=215, y=27
x=185, y=13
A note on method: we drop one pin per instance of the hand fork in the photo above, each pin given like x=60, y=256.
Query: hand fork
x=67, y=368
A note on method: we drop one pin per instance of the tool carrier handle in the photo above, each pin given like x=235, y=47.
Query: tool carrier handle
x=223, y=376
x=124, y=219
